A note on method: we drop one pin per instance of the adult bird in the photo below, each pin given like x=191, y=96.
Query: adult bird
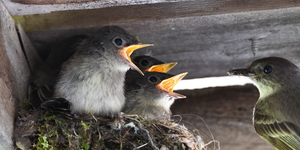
x=276, y=113
x=151, y=96
x=92, y=79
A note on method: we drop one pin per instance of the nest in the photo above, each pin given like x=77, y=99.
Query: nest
x=44, y=130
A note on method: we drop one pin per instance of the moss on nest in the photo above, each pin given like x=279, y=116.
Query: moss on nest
x=51, y=132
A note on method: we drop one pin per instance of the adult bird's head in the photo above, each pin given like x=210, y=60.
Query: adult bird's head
x=269, y=73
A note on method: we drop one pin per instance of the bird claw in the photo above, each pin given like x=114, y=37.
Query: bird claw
x=58, y=106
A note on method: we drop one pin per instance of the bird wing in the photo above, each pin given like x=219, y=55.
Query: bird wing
x=131, y=92
x=282, y=135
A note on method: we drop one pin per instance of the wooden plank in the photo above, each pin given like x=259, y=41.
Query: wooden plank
x=41, y=2
x=14, y=74
x=30, y=52
x=207, y=45
x=227, y=111
x=45, y=2
x=23, y=9
x=132, y=13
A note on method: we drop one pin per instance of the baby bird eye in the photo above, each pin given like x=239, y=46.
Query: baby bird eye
x=153, y=79
x=268, y=69
x=118, y=42
x=144, y=62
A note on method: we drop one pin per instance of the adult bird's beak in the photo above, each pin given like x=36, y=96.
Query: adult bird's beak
x=163, y=68
x=128, y=50
x=240, y=72
x=169, y=84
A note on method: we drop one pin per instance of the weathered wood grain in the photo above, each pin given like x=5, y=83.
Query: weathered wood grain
x=206, y=38
x=14, y=74
x=132, y=13
x=40, y=2
x=30, y=52
x=206, y=45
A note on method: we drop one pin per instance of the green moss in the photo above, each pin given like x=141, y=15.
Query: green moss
x=42, y=143
x=85, y=146
x=55, y=132
x=85, y=126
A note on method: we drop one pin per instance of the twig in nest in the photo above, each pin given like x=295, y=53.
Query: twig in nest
x=185, y=135
x=99, y=134
x=140, y=125
x=215, y=147
x=141, y=146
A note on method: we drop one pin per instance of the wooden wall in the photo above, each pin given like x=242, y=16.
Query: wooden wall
x=14, y=74
x=205, y=37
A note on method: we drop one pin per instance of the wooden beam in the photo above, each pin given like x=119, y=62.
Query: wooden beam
x=29, y=50
x=43, y=2
x=14, y=74
x=132, y=13
x=207, y=45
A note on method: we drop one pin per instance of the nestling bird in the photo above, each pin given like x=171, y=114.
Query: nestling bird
x=277, y=111
x=163, y=68
x=147, y=64
x=144, y=62
x=151, y=96
x=93, y=78
x=151, y=64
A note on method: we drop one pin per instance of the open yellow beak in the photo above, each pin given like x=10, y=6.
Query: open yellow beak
x=125, y=52
x=164, y=68
x=169, y=84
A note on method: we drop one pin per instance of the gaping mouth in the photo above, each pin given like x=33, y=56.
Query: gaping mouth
x=125, y=52
x=169, y=84
x=164, y=68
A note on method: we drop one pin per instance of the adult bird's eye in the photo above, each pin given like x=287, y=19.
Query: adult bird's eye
x=118, y=41
x=153, y=79
x=268, y=69
x=144, y=62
